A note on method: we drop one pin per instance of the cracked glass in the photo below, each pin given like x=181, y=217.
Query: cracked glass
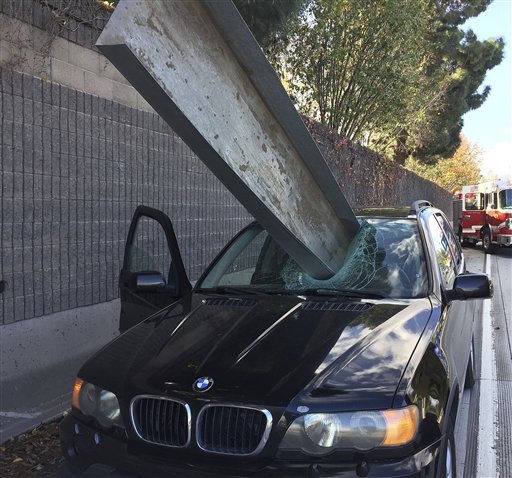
x=385, y=258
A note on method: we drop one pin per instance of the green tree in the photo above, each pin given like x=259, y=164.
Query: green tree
x=397, y=75
x=457, y=64
x=463, y=168
x=267, y=19
x=352, y=62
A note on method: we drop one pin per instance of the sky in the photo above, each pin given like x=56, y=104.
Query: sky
x=490, y=126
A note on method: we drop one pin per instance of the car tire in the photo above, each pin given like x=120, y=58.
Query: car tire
x=447, y=460
x=487, y=242
x=470, y=369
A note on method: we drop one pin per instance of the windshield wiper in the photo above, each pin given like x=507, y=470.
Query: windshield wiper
x=342, y=292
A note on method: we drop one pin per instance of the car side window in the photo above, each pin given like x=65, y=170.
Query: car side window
x=445, y=260
x=149, y=250
x=454, y=243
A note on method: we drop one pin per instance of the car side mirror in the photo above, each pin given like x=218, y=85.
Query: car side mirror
x=147, y=281
x=471, y=286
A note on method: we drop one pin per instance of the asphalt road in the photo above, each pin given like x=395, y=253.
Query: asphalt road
x=483, y=432
x=484, y=424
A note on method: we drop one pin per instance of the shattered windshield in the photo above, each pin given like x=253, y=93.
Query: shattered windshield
x=385, y=259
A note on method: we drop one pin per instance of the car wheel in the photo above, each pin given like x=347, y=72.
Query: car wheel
x=447, y=468
x=470, y=370
x=487, y=243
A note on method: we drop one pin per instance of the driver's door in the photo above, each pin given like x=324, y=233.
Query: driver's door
x=153, y=275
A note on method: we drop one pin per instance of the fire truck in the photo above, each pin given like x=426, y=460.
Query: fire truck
x=483, y=212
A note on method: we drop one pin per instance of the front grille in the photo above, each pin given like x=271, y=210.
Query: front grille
x=161, y=420
x=233, y=430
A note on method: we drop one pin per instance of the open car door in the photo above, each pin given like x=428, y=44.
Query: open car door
x=153, y=275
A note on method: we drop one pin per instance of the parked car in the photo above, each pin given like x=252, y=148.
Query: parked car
x=263, y=370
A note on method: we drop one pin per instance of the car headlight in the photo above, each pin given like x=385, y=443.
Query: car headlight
x=508, y=223
x=95, y=402
x=321, y=433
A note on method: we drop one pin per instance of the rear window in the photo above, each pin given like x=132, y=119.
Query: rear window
x=386, y=257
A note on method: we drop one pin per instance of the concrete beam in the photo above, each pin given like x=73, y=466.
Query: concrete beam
x=199, y=67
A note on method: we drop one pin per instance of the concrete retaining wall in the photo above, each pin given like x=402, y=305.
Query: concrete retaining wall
x=74, y=167
x=40, y=358
x=369, y=180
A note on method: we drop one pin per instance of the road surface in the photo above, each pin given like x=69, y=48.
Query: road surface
x=484, y=425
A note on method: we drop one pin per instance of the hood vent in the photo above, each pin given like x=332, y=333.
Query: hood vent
x=231, y=302
x=336, y=306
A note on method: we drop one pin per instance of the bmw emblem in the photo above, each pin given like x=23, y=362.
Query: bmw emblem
x=203, y=384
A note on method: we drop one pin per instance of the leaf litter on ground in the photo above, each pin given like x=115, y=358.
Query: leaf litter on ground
x=33, y=454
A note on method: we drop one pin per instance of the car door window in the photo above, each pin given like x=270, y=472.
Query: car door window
x=454, y=243
x=149, y=251
x=153, y=275
x=444, y=256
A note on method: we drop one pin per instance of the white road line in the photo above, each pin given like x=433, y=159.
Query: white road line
x=18, y=415
x=488, y=410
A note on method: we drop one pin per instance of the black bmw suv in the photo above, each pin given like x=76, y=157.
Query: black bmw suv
x=263, y=370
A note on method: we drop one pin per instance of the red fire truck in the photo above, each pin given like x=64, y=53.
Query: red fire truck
x=483, y=212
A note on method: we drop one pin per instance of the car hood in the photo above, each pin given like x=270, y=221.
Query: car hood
x=266, y=350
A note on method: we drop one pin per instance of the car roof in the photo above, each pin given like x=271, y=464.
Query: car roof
x=404, y=212
x=383, y=211
x=410, y=212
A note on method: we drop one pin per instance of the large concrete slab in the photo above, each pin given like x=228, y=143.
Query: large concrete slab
x=198, y=66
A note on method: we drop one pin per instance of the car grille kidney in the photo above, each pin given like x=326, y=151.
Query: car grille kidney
x=233, y=430
x=161, y=420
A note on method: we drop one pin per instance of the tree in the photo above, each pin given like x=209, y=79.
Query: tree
x=462, y=168
x=457, y=63
x=267, y=19
x=396, y=75
x=352, y=61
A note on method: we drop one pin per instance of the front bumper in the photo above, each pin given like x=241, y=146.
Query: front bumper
x=84, y=446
